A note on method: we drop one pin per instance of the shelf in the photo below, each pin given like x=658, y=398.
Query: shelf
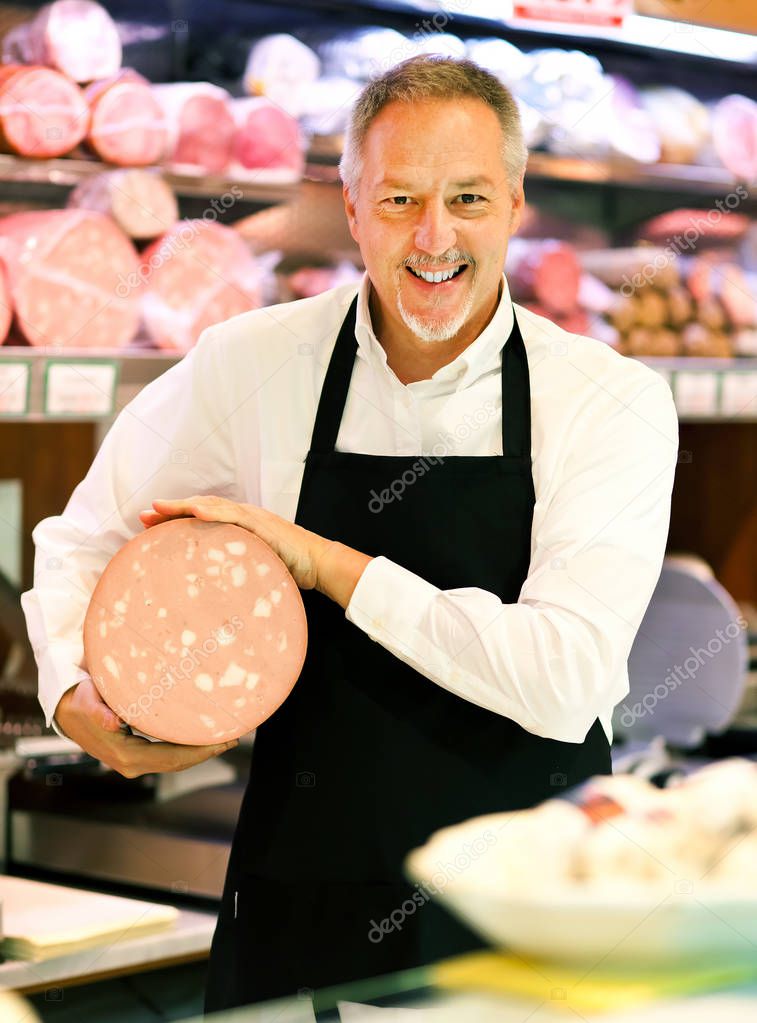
x=711, y=390
x=54, y=178
x=324, y=153
x=133, y=368
x=706, y=390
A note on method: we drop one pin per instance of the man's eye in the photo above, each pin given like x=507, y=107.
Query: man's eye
x=469, y=197
x=399, y=200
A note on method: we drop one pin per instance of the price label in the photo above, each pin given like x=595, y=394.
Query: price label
x=15, y=379
x=738, y=396
x=583, y=12
x=696, y=394
x=87, y=388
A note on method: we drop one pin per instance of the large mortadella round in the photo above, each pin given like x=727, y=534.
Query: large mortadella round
x=196, y=632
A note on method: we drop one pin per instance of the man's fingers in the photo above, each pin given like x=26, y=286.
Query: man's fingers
x=160, y=757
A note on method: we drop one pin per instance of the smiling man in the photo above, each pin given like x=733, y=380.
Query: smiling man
x=469, y=637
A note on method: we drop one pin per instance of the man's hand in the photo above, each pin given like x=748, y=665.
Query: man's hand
x=87, y=720
x=299, y=549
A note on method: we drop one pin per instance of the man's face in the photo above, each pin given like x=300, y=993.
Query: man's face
x=433, y=200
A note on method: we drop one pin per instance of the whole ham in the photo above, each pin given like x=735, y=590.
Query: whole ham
x=139, y=200
x=72, y=278
x=197, y=274
x=196, y=632
x=78, y=37
x=547, y=272
x=266, y=138
x=201, y=125
x=127, y=125
x=42, y=113
x=282, y=69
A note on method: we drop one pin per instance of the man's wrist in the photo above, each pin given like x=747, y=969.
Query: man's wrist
x=338, y=571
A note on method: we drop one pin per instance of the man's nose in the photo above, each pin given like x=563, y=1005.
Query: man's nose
x=435, y=230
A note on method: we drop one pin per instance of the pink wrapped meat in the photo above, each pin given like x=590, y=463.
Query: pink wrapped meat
x=201, y=126
x=267, y=139
x=127, y=125
x=197, y=274
x=42, y=113
x=78, y=37
x=196, y=632
x=140, y=201
x=72, y=276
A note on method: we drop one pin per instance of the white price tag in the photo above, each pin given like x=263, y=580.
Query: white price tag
x=14, y=388
x=696, y=394
x=738, y=396
x=583, y=12
x=80, y=388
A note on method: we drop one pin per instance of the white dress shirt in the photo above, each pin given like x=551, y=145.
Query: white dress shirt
x=235, y=418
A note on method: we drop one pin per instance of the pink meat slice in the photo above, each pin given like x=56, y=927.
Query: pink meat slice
x=6, y=307
x=266, y=137
x=202, y=124
x=72, y=277
x=548, y=271
x=197, y=274
x=42, y=113
x=78, y=37
x=127, y=125
x=734, y=135
x=196, y=632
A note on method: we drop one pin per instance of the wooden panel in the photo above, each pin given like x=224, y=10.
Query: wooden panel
x=49, y=459
x=715, y=499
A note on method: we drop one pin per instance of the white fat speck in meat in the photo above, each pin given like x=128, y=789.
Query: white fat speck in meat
x=120, y=606
x=240, y=701
x=275, y=596
x=145, y=547
x=148, y=602
x=193, y=591
x=250, y=651
x=188, y=637
x=136, y=566
x=207, y=721
x=262, y=608
x=162, y=612
x=204, y=682
x=262, y=568
x=233, y=676
x=111, y=666
x=214, y=570
x=191, y=578
x=215, y=555
x=252, y=680
x=282, y=642
x=238, y=575
x=237, y=548
x=141, y=676
x=133, y=652
x=103, y=629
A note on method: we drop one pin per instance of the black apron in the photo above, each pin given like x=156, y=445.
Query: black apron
x=368, y=757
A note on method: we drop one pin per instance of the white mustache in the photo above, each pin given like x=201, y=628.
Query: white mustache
x=453, y=256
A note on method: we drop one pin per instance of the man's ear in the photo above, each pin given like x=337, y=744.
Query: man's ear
x=519, y=204
x=349, y=209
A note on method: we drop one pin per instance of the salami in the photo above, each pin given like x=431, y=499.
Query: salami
x=201, y=125
x=196, y=632
x=139, y=201
x=78, y=37
x=127, y=125
x=68, y=272
x=42, y=113
x=267, y=139
x=197, y=274
x=6, y=309
x=547, y=271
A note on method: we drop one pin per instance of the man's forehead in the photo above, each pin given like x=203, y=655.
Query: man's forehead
x=411, y=178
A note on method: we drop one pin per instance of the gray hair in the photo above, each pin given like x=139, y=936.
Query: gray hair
x=432, y=77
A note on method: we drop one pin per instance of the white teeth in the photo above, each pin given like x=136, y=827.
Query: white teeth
x=438, y=276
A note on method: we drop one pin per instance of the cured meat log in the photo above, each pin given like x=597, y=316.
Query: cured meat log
x=127, y=125
x=201, y=125
x=195, y=275
x=42, y=113
x=547, y=272
x=6, y=308
x=139, y=201
x=78, y=37
x=267, y=139
x=734, y=136
x=282, y=69
x=196, y=632
x=69, y=273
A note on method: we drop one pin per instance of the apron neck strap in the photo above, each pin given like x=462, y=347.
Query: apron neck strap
x=516, y=396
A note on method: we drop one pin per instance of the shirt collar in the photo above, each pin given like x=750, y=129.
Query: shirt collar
x=477, y=358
